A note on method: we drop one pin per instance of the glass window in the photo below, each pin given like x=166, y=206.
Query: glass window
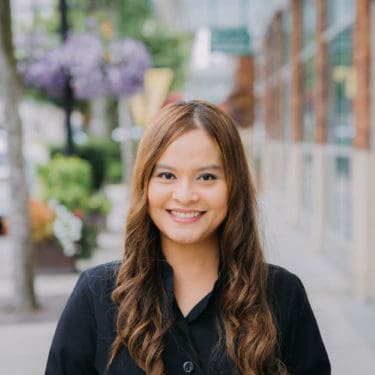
x=308, y=100
x=338, y=195
x=341, y=89
x=307, y=181
x=337, y=10
x=308, y=21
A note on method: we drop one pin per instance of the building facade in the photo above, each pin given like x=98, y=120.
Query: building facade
x=315, y=108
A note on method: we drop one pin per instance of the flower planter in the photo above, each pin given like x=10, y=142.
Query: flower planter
x=51, y=259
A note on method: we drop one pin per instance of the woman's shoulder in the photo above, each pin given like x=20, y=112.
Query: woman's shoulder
x=284, y=287
x=100, y=279
x=282, y=275
x=103, y=271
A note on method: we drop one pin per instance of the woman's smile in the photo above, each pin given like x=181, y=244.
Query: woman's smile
x=185, y=216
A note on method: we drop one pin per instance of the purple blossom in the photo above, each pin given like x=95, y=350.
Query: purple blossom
x=94, y=69
x=128, y=61
x=48, y=73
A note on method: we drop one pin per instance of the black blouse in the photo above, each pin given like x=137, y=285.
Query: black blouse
x=87, y=329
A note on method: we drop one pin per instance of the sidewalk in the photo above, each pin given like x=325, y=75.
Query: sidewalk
x=346, y=324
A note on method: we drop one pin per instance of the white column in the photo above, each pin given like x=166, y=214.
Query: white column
x=294, y=183
x=363, y=223
x=319, y=191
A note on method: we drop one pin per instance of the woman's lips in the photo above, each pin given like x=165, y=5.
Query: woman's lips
x=185, y=216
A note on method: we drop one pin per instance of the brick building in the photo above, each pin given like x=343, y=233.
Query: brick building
x=315, y=108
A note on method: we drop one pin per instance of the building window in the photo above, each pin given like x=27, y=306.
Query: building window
x=308, y=100
x=338, y=10
x=308, y=21
x=341, y=89
x=338, y=194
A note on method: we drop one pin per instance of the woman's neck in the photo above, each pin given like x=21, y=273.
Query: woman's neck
x=191, y=259
x=195, y=270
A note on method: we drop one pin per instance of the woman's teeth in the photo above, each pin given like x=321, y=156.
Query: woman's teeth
x=185, y=215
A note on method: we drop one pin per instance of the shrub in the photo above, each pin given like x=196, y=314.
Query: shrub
x=67, y=180
x=67, y=185
x=104, y=156
x=96, y=154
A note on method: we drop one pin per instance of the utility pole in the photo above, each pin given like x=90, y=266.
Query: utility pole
x=68, y=92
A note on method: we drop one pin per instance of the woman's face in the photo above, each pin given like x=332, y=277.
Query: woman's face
x=187, y=192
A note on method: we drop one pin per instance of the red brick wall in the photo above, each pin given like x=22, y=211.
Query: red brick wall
x=321, y=74
x=296, y=70
x=362, y=66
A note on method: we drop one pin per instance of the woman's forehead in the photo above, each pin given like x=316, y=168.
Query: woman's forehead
x=192, y=145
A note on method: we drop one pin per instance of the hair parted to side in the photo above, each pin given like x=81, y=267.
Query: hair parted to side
x=247, y=330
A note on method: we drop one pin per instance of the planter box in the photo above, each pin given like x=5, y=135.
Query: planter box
x=49, y=258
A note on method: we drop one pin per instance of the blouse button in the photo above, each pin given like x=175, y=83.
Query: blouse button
x=188, y=367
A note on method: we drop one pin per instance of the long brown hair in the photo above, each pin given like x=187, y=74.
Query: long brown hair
x=248, y=330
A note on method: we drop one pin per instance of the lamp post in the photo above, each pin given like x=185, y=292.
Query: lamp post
x=68, y=92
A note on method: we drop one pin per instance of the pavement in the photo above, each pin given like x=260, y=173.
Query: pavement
x=346, y=324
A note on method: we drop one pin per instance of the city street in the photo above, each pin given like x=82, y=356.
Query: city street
x=86, y=78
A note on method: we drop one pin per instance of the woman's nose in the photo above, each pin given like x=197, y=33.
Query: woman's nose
x=185, y=193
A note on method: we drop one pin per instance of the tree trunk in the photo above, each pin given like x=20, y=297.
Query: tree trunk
x=24, y=295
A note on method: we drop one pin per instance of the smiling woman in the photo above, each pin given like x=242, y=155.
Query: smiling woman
x=193, y=293
x=188, y=201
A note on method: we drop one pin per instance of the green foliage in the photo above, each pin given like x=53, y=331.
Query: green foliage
x=108, y=155
x=170, y=50
x=87, y=243
x=67, y=180
x=132, y=15
x=114, y=161
x=99, y=203
x=104, y=156
x=114, y=172
x=96, y=154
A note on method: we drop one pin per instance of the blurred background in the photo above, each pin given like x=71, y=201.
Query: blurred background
x=80, y=80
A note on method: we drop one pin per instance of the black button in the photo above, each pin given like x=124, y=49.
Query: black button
x=188, y=367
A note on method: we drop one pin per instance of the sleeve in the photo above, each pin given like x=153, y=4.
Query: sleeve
x=73, y=346
x=305, y=351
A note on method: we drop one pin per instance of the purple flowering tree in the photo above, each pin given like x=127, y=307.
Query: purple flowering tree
x=95, y=68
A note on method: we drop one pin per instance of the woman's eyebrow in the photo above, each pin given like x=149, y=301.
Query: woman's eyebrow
x=200, y=169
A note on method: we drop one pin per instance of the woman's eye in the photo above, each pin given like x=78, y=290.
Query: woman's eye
x=166, y=175
x=207, y=177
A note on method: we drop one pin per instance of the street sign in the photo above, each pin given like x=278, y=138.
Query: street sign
x=234, y=41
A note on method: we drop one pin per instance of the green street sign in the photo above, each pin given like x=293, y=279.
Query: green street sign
x=234, y=41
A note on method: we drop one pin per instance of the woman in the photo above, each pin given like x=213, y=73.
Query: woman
x=193, y=293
